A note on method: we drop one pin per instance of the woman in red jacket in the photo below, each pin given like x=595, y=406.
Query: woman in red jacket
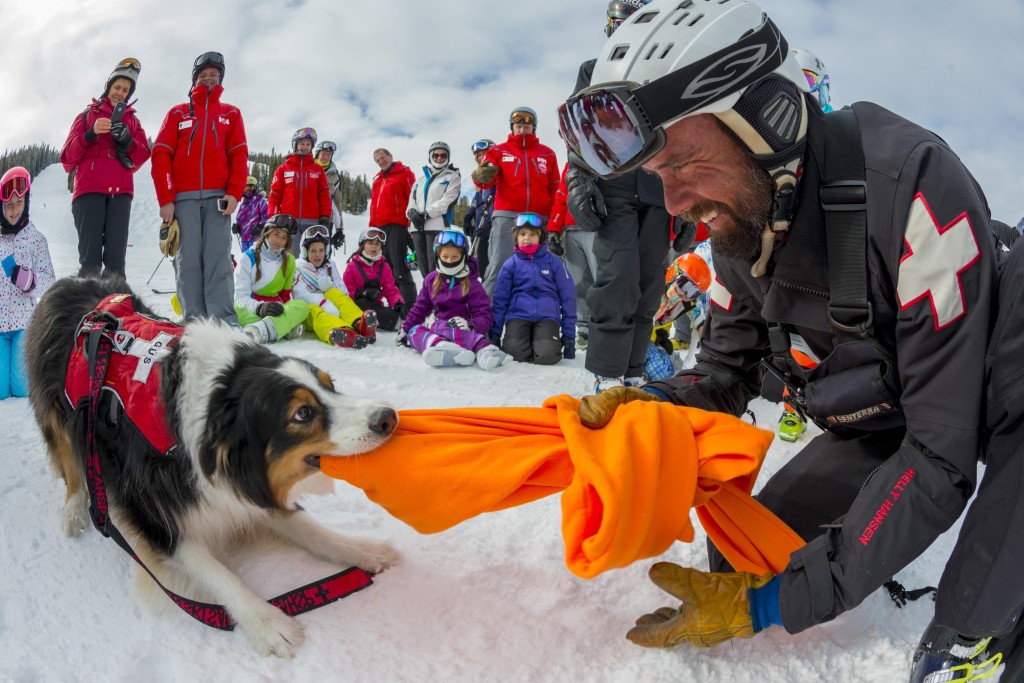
x=105, y=146
x=299, y=187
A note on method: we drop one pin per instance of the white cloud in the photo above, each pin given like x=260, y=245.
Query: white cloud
x=401, y=74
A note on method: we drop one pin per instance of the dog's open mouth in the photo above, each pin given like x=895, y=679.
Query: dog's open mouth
x=313, y=461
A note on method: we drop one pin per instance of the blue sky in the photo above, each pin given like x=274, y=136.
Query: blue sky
x=401, y=74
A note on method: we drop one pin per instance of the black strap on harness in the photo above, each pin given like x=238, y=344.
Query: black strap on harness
x=98, y=345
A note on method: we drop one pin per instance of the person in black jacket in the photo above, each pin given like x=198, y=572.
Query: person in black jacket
x=897, y=350
x=477, y=221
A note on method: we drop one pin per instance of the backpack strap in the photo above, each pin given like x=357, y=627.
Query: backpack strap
x=843, y=197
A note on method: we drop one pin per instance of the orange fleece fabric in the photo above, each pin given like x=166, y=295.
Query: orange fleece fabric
x=627, y=488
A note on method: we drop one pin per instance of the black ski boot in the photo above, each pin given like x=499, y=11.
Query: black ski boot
x=944, y=656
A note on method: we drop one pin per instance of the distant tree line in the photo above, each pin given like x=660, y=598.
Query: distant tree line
x=34, y=158
x=355, y=188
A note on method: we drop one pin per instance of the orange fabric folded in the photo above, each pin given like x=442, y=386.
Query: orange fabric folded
x=627, y=488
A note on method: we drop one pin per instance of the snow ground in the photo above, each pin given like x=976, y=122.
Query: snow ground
x=489, y=600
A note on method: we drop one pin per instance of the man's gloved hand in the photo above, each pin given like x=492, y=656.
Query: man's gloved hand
x=402, y=338
x=596, y=410
x=325, y=221
x=584, y=200
x=484, y=173
x=568, y=348
x=555, y=244
x=122, y=136
x=338, y=239
x=270, y=309
x=685, y=232
x=459, y=322
x=236, y=229
x=715, y=607
x=170, y=240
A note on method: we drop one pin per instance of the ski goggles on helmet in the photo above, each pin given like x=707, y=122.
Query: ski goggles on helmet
x=376, y=234
x=129, y=63
x=283, y=220
x=450, y=237
x=522, y=117
x=315, y=233
x=481, y=146
x=688, y=289
x=328, y=146
x=303, y=133
x=615, y=127
x=214, y=59
x=530, y=220
x=16, y=186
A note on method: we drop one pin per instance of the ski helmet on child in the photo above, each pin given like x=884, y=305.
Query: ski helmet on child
x=314, y=233
x=207, y=60
x=16, y=182
x=530, y=221
x=302, y=134
x=687, y=278
x=129, y=69
x=481, y=145
x=522, y=115
x=371, y=234
x=457, y=238
x=619, y=11
x=817, y=77
x=434, y=163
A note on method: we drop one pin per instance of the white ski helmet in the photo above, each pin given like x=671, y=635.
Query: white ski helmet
x=439, y=165
x=816, y=74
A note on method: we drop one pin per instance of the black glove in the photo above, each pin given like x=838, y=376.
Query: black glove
x=495, y=338
x=270, y=309
x=325, y=221
x=555, y=244
x=418, y=219
x=585, y=201
x=402, y=309
x=122, y=136
x=338, y=239
x=685, y=232
x=568, y=347
x=402, y=338
x=236, y=228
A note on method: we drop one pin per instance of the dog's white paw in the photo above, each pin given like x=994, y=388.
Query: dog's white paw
x=75, y=517
x=373, y=557
x=272, y=632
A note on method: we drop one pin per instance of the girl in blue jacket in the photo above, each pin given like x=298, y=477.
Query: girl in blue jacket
x=534, y=299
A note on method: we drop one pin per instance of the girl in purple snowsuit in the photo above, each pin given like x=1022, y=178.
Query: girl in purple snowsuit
x=251, y=215
x=462, y=311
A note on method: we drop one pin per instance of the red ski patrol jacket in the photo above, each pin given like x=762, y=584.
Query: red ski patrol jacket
x=200, y=150
x=299, y=189
x=527, y=175
x=390, y=195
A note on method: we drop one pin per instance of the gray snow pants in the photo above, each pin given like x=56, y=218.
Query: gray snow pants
x=630, y=249
x=582, y=265
x=202, y=267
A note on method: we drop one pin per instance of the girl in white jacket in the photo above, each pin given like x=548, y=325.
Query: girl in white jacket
x=431, y=202
x=333, y=316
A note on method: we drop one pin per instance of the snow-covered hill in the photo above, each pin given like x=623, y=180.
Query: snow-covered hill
x=490, y=600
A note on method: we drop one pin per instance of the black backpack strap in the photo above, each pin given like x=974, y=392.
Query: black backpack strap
x=843, y=197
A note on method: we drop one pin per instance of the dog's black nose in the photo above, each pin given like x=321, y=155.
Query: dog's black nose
x=384, y=421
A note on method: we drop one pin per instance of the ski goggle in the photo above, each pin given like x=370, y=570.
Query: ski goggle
x=529, y=219
x=376, y=234
x=130, y=63
x=328, y=146
x=317, y=230
x=615, y=127
x=522, y=117
x=481, y=146
x=688, y=289
x=15, y=186
x=283, y=220
x=214, y=59
x=613, y=23
x=303, y=133
x=450, y=237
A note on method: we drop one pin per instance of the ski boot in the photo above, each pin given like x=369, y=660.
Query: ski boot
x=348, y=338
x=944, y=656
x=791, y=426
x=296, y=332
x=603, y=383
x=445, y=354
x=366, y=326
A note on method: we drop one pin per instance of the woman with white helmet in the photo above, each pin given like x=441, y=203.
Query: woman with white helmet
x=430, y=203
x=851, y=239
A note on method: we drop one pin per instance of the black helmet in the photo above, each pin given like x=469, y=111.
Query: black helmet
x=205, y=60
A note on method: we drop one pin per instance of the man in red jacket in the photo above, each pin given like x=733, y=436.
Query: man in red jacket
x=200, y=156
x=299, y=187
x=388, y=201
x=526, y=175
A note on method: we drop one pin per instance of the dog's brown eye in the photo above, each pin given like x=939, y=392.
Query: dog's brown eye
x=303, y=414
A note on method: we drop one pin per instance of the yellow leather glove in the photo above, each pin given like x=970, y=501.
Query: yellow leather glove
x=170, y=240
x=715, y=608
x=484, y=173
x=596, y=410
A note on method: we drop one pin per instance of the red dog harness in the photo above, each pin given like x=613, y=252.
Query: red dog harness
x=119, y=350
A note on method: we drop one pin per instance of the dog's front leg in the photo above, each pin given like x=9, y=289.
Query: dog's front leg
x=304, y=531
x=270, y=630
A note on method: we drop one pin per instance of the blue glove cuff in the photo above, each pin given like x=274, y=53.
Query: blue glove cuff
x=657, y=392
x=764, y=605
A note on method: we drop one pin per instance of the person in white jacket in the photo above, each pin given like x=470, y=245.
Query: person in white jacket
x=263, y=285
x=431, y=202
x=333, y=315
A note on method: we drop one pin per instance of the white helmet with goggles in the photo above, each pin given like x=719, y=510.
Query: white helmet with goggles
x=816, y=74
x=671, y=60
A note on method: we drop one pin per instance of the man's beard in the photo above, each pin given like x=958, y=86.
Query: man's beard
x=750, y=214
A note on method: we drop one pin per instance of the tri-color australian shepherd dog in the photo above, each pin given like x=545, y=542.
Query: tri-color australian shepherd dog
x=250, y=426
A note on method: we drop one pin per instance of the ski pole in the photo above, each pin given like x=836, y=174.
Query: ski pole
x=156, y=269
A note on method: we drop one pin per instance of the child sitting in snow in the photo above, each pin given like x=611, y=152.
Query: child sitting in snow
x=28, y=272
x=534, y=299
x=371, y=283
x=263, y=285
x=462, y=312
x=333, y=315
